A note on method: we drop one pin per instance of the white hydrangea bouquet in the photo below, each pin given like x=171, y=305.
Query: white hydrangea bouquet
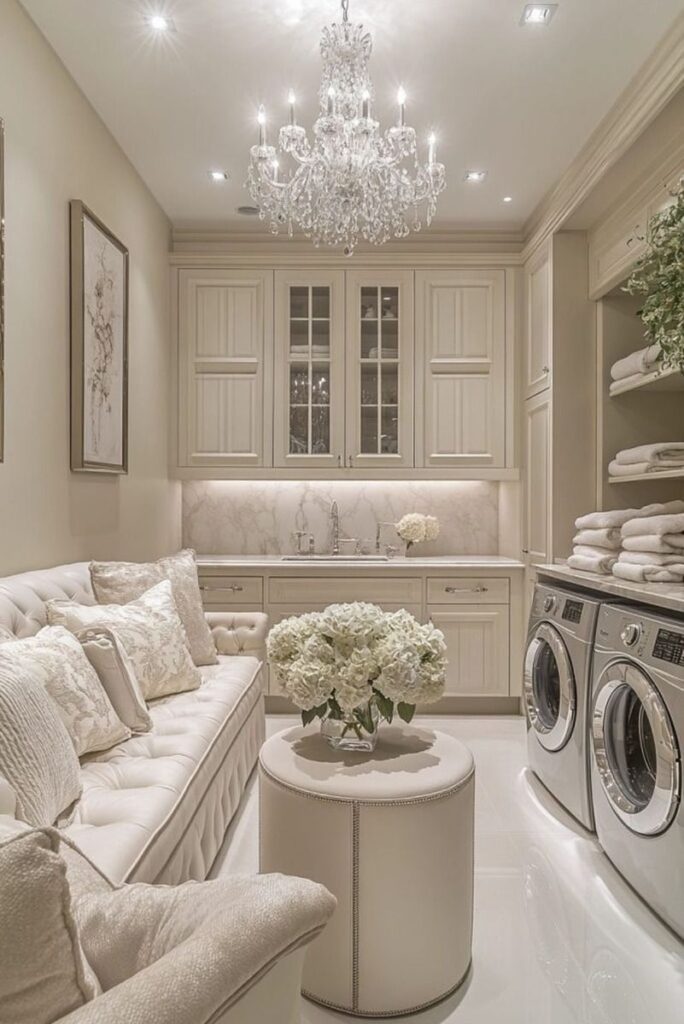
x=415, y=528
x=354, y=664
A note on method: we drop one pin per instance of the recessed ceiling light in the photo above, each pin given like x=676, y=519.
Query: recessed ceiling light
x=538, y=14
x=218, y=176
x=475, y=176
x=248, y=211
x=508, y=199
x=160, y=22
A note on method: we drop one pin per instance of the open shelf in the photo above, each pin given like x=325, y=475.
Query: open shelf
x=661, y=474
x=659, y=380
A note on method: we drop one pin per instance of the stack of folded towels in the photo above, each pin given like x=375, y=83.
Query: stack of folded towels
x=599, y=537
x=653, y=548
x=634, y=367
x=648, y=458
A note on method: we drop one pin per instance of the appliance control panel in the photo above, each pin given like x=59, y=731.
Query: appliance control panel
x=669, y=646
x=572, y=610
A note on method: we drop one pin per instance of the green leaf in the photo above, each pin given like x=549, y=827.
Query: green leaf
x=308, y=716
x=385, y=706
x=406, y=711
x=321, y=710
x=365, y=717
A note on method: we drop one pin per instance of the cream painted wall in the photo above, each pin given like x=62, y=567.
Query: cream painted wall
x=57, y=149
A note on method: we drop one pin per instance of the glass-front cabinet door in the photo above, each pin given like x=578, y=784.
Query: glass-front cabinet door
x=309, y=369
x=379, y=369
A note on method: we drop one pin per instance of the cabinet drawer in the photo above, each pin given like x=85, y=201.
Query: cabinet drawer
x=231, y=590
x=305, y=590
x=467, y=590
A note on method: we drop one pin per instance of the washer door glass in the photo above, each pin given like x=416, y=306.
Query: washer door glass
x=549, y=685
x=635, y=749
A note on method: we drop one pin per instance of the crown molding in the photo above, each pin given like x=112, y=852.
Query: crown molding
x=647, y=94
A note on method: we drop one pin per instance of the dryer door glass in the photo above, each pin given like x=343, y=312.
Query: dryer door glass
x=549, y=685
x=635, y=749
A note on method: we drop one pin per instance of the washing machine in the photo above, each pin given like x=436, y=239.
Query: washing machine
x=556, y=688
x=637, y=733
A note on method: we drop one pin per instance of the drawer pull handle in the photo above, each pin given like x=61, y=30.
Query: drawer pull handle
x=479, y=589
x=235, y=587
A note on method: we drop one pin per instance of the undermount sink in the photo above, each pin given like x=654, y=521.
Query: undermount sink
x=334, y=558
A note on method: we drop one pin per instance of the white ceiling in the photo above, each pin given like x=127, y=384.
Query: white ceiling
x=520, y=102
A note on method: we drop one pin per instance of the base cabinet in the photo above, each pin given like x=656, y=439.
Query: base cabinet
x=477, y=638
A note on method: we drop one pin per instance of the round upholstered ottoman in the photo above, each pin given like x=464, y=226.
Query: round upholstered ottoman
x=391, y=835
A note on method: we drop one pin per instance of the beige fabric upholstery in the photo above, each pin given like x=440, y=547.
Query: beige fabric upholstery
x=151, y=631
x=38, y=762
x=114, y=668
x=156, y=808
x=121, y=582
x=43, y=974
x=391, y=835
x=239, y=632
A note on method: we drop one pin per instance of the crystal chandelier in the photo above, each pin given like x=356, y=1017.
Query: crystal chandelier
x=353, y=181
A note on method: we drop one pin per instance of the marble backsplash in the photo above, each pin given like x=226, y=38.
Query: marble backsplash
x=245, y=517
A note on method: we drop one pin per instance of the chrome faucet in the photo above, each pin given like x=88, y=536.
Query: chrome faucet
x=335, y=520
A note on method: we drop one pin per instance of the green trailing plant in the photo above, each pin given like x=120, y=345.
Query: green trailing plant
x=659, y=275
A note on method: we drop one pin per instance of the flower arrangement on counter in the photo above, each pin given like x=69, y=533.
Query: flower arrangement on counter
x=353, y=664
x=415, y=528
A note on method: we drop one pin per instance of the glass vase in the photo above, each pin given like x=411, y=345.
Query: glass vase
x=348, y=733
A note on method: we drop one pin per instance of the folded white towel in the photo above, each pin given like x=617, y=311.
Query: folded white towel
x=616, y=468
x=590, y=551
x=642, y=361
x=669, y=543
x=617, y=517
x=658, y=525
x=648, y=573
x=651, y=558
x=670, y=453
x=607, y=538
x=592, y=563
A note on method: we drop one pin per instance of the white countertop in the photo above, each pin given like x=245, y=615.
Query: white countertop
x=658, y=595
x=269, y=562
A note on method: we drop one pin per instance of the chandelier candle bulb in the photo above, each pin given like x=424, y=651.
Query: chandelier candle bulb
x=291, y=101
x=261, y=120
x=365, y=104
x=432, y=149
x=275, y=170
x=401, y=100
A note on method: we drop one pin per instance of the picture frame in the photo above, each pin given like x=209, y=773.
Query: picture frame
x=99, y=345
x=2, y=290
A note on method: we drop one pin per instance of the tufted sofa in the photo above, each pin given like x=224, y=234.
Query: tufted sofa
x=156, y=808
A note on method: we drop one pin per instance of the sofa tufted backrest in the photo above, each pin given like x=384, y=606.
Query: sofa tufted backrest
x=23, y=597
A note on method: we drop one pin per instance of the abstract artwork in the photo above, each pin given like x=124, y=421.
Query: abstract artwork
x=99, y=346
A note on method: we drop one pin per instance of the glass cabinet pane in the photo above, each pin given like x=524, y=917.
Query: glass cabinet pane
x=379, y=369
x=310, y=370
x=369, y=430
x=389, y=438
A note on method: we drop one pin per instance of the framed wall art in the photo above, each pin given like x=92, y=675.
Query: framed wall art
x=2, y=290
x=99, y=346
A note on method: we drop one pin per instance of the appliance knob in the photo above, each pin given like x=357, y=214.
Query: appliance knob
x=630, y=634
x=549, y=603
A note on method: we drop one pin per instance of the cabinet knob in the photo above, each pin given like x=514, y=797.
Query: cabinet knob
x=546, y=369
x=525, y=551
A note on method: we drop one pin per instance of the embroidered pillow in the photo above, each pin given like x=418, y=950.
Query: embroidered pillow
x=121, y=582
x=45, y=974
x=54, y=658
x=150, y=632
x=37, y=757
x=115, y=671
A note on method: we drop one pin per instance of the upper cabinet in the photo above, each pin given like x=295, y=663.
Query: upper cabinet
x=224, y=368
x=538, y=321
x=344, y=372
x=380, y=360
x=461, y=359
x=309, y=369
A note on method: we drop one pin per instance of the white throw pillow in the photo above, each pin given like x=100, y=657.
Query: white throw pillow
x=37, y=757
x=55, y=658
x=152, y=635
x=108, y=656
x=121, y=582
x=44, y=973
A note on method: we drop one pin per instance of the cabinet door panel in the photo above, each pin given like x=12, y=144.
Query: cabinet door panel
x=225, y=348
x=538, y=314
x=309, y=369
x=538, y=470
x=380, y=358
x=461, y=352
x=477, y=639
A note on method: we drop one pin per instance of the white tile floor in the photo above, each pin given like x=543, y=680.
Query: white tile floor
x=559, y=937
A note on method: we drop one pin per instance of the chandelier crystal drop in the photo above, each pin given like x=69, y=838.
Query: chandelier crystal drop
x=352, y=181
